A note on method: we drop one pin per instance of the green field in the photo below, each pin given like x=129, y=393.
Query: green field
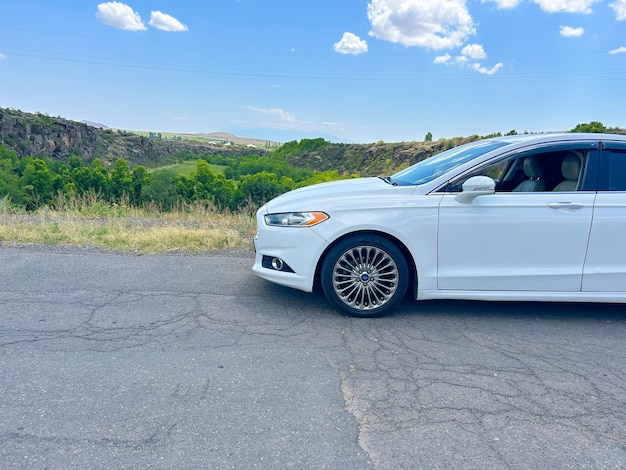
x=185, y=168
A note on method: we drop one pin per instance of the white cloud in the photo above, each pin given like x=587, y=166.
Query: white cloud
x=277, y=113
x=165, y=22
x=442, y=59
x=350, y=44
x=434, y=24
x=474, y=51
x=485, y=71
x=503, y=4
x=569, y=32
x=468, y=57
x=619, y=50
x=620, y=9
x=277, y=118
x=2, y=56
x=120, y=15
x=567, y=6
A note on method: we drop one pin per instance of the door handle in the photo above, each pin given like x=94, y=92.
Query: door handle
x=565, y=205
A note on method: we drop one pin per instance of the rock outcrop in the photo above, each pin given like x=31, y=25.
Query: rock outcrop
x=39, y=134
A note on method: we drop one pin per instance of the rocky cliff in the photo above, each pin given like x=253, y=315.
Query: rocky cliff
x=39, y=134
x=372, y=159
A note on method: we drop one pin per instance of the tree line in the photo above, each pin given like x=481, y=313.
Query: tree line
x=33, y=182
x=246, y=181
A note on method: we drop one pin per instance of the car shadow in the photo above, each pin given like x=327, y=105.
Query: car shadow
x=580, y=310
x=316, y=302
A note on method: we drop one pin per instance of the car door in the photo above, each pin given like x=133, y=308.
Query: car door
x=517, y=241
x=605, y=267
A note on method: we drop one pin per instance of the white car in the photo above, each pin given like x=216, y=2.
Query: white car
x=527, y=217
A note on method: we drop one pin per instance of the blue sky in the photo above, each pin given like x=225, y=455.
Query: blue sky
x=346, y=70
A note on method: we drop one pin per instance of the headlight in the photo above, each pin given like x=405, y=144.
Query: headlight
x=295, y=219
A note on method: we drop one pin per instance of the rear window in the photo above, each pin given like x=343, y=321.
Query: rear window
x=613, y=170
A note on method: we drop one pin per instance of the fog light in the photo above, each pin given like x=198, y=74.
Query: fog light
x=277, y=264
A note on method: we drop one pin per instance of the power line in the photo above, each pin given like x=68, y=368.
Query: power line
x=561, y=75
x=406, y=52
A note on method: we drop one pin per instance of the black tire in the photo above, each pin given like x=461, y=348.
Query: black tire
x=365, y=275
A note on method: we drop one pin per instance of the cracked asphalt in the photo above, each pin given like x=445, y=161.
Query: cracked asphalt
x=112, y=360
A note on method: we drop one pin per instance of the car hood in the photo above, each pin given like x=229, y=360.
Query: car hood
x=326, y=196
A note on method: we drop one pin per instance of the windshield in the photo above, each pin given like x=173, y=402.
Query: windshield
x=430, y=168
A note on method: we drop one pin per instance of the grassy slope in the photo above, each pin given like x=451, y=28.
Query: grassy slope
x=188, y=166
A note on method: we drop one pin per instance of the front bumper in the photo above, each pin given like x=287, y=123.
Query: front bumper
x=299, y=248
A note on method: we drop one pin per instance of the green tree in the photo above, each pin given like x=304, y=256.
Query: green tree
x=37, y=182
x=322, y=177
x=204, y=185
x=429, y=137
x=305, y=145
x=122, y=183
x=161, y=188
x=94, y=178
x=75, y=162
x=9, y=177
x=184, y=187
x=593, y=126
x=201, y=180
x=140, y=179
x=262, y=187
x=64, y=182
x=223, y=193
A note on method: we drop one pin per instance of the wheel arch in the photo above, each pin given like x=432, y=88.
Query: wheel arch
x=399, y=244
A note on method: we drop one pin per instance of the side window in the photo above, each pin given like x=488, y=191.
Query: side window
x=538, y=171
x=613, y=170
x=495, y=171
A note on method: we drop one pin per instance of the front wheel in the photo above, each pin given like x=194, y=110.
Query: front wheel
x=364, y=276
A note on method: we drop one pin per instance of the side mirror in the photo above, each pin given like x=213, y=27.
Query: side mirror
x=476, y=186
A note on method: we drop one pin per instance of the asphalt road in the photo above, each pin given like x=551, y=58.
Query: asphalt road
x=122, y=361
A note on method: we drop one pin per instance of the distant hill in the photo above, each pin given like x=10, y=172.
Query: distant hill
x=228, y=137
x=223, y=138
x=95, y=124
x=31, y=134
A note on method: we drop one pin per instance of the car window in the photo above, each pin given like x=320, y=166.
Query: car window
x=554, y=170
x=613, y=172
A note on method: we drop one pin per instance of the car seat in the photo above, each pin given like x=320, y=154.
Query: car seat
x=570, y=169
x=533, y=172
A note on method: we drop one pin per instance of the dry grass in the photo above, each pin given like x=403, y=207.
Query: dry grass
x=191, y=229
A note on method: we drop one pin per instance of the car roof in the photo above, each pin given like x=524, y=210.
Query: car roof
x=557, y=136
